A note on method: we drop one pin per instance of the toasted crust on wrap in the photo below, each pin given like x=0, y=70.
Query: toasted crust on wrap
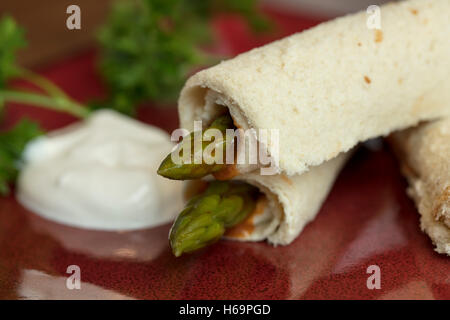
x=334, y=85
x=424, y=153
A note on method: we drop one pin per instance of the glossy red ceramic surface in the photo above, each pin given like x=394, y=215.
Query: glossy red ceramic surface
x=366, y=220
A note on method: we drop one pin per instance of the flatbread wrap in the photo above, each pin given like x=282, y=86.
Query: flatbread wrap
x=424, y=154
x=250, y=206
x=323, y=90
x=289, y=203
x=334, y=85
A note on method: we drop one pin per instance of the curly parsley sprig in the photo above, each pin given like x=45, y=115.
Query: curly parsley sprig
x=148, y=47
x=13, y=141
x=11, y=40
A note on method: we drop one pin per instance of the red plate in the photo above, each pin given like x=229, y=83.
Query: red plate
x=367, y=220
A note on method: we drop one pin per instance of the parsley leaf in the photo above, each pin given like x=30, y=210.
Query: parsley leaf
x=12, y=144
x=13, y=141
x=148, y=47
x=11, y=39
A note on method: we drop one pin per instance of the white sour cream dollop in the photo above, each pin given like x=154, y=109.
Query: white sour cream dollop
x=100, y=174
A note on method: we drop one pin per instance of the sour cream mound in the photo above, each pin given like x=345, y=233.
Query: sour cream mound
x=100, y=174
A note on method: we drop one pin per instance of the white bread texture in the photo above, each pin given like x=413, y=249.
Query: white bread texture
x=332, y=86
x=424, y=154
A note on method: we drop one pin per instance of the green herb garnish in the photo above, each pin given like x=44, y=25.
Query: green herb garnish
x=12, y=39
x=148, y=47
x=12, y=143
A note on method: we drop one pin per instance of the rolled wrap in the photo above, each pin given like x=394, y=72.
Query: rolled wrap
x=291, y=202
x=334, y=85
x=424, y=154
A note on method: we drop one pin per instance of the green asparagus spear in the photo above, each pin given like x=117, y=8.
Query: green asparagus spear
x=191, y=170
x=222, y=205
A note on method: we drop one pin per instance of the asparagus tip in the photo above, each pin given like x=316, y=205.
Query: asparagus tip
x=165, y=167
x=176, y=251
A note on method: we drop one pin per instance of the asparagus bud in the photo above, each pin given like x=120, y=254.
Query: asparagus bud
x=191, y=170
x=222, y=205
